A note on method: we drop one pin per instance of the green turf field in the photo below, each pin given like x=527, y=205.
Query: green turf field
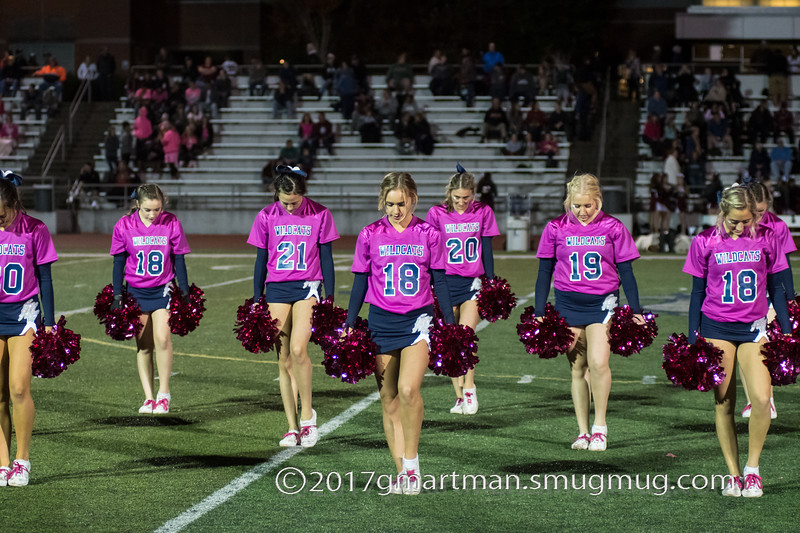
x=99, y=466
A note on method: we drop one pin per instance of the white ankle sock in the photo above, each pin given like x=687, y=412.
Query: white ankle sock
x=411, y=464
x=161, y=396
x=600, y=429
x=750, y=470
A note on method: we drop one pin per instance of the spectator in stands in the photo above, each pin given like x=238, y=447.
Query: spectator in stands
x=221, y=90
x=516, y=120
x=386, y=107
x=111, y=149
x=736, y=121
x=781, y=160
x=711, y=193
x=435, y=59
x=653, y=135
x=53, y=75
x=329, y=74
x=536, y=121
x=495, y=122
x=486, y=189
x=760, y=125
x=370, y=128
x=258, y=78
x=205, y=133
x=126, y=180
x=362, y=104
x=50, y=102
x=695, y=159
x=466, y=77
x=760, y=163
x=514, y=146
x=706, y=81
x=87, y=70
x=31, y=99
x=323, y=135
x=670, y=131
x=207, y=73
x=345, y=86
x=657, y=106
x=9, y=136
x=126, y=142
x=399, y=72
x=308, y=86
x=760, y=57
x=409, y=104
x=404, y=132
x=498, y=83
x=633, y=73
x=544, y=78
x=719, y=135
x=717, y=93
x=522, y=86
x=685, y=91
x=778, y=72
x=793, y=61
x=423, y=135
x=442, y=78
x=558, y=119
x=106, y=68
x=231, y=69
x=190, y=147
x=491, y=58
x=289, y=154
x=195, y=114
x=360, y=74
x=189, y=71
x=193, y=94
x=659, y=82
x=162, y=60
x=10, y=76
x=171, y=142
x=733, y=87
x=784, y=123
x=549, y=147
x=659, y=210
x=283, y=101
x=89, y=177
x=142, y=130
x=305, y=131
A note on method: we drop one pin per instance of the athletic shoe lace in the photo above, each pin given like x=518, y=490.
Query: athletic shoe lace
x=753, y=480
x=19, y=467
x=305, y=431
x=599, y=436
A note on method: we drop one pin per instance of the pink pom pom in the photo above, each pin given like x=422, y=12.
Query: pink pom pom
x=782, y=359
x=185, y=313
x=255, y=327
x=547, y=338
x=123, y=323
x=495, y=301
x=774, y=329
x=351, y=357
x=327, y=322
x=53, y=352
x=693, y=366
x=452, y=349
x=626, y=337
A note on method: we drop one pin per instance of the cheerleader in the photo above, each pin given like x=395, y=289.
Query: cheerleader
x=148, y=245
x=293, y=237
x=786, y=245
x=467, y=228
x=587, y=253
x=395, y=259
x=733, y=265
x=26, y=253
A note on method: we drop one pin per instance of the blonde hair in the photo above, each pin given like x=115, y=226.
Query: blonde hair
x=147, y=191
x=587, y=184
x=397, y=181
x=460, y=180
x=736, y=197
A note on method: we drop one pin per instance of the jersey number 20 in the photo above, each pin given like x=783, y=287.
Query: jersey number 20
x=13, y=274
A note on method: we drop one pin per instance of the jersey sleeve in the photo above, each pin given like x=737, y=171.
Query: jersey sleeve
x=624, y=246
x=361, y=259
x=327, y=229
x=547, y=242
x=118, y=239
x=437, y=250
x=44, y=250
x=489, y=224
x=777, y=260
x=432, y=217
x=258, y=233
x=180, y=245
x=696, y=264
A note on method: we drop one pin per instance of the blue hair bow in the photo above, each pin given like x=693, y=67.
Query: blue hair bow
x=747, y=179
x=460, y=169
x=11, y=176
x=286, y=169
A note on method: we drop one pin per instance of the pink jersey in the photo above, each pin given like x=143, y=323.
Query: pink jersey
x=149, y=249
x=23, y=245
x=782, y=234
x=399, y=263
x=735, y=271
x=291, y=239
x=462, y=236
x=587, y=256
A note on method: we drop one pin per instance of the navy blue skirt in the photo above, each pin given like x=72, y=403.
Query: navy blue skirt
x=289, y=292
x=733, y=331
x=462, y=289
x=393, y=331
x=151, y=298
x=16, y=318
x=580, y=309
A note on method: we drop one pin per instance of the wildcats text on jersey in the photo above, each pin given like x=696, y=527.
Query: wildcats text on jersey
x=743, y=256
x=465, y=227
x=12, y=249
x=599, y=240
x=292, y=229
x=416, y=250
x=150, y=240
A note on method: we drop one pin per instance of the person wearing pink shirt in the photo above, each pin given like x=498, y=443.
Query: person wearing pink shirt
x=26, y=253
x=733, y=266
x=171, y=142
x=142, y=130
x=587, y=254
x=467, y=228
x=396, y=258
x=294, y=237
x=149, y=245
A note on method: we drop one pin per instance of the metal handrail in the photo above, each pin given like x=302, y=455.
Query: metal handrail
x=85, y=86
x=58, y=142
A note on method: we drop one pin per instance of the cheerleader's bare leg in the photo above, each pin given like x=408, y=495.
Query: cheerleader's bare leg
x=286, y=381
x=413, y=364
x=20, y=391
x=598, y=353
x=580, y=387
x=759, y=384
x=725, y=406
x=387, y=370
x=5, y=404
x=298, y=346
x=162, y=340
x=145, y=347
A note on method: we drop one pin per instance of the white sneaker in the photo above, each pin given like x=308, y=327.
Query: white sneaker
x=458, y=408
x=308, y=431
x=753, y=486
x=161, y=407
x=413, y=483
x=582, y=442
x=292, y=438
x=397, y=485
x=147, y=407
x=5, y=473
x=598, y=442
x=470, y=402
x=733, y=486
x=20, y=473
x=746, y=411
x=773, y=413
